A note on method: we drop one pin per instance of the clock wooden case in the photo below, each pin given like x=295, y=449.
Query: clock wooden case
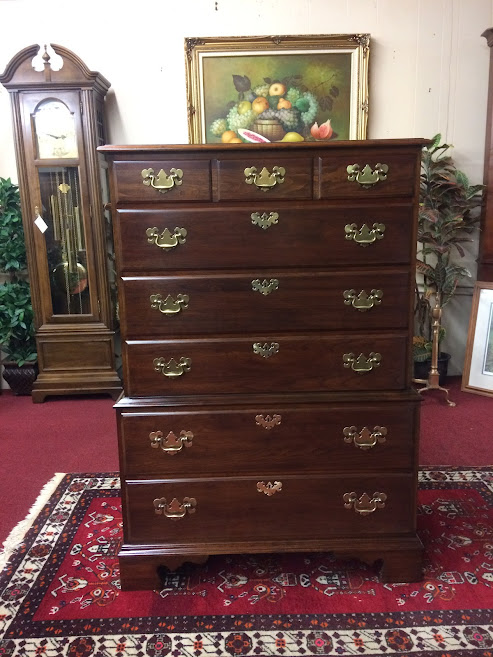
x=58, y=120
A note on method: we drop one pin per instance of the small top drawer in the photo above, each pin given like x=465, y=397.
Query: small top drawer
x=259, y=178
x=162, y=181
x=365, y=174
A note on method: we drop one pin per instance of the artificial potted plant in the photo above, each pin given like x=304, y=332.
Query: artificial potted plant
x=17, y=333
x=448, y=214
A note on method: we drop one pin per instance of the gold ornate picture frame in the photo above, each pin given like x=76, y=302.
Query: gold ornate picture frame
x=312, y=87
x=477, y=376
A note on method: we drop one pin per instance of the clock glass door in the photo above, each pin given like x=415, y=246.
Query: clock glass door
x=65, y=252
x=65, y=238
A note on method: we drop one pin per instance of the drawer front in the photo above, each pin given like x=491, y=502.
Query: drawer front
x=260, y=364
x=264, y=234
x=265, y=301
x=297, y=439
x=228, y=510
x=259, y=178
x=143, y=182
x=373, y=173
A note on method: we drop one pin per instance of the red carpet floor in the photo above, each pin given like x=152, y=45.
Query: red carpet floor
x=78, y=434
x=60, y=595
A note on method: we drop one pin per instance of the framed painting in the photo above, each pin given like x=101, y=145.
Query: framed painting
x=284, y=88
x=478, y=364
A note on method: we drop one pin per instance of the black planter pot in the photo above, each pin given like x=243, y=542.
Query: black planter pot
x=20, y=378
x=422, y=369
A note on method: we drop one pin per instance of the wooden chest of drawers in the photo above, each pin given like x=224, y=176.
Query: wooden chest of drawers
x=266, y=313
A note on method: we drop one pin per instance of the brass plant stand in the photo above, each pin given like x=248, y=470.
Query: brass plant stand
x=432, y=382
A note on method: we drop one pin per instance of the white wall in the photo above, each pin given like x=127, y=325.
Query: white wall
x=428, y=69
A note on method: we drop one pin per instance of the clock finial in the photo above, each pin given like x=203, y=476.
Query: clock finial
x=46, y=58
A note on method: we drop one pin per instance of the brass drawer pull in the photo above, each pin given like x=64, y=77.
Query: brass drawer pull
x=266, y=350
x=162, y=182
x=367, y=176
x=365, y=504
x=169, y=306
x=364, y=235
x=267, y=422
x=264, y=180
x=363, y=301
x=265, y=287
x=166, y=240
x=364, y=439
x=269, y=488
x=172, y=368
x=174, y=509
x=264, y=220
x=362, y=364
x=171, y=444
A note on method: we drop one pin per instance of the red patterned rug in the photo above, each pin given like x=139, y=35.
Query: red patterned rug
x=59, y=592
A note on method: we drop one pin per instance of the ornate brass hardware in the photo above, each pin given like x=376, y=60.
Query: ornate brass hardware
x=266, y=350
x=364, y=439
x=167, y=239
x=364, y=235
x=174, y=509
x=264, y=180
x=264, y=220
x=364, y=504
x=162, y=182
x=265, y=287
x=269, y=488
x=171, y=444
x=367, y=176
x=267, y=422
x=169, y=306
x=172, y=368
x=362, y=364
x=363, y=301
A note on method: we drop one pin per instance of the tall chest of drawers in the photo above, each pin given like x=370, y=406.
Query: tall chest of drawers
x=266, y=301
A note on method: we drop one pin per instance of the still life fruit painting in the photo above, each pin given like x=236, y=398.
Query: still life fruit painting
x=288, y=97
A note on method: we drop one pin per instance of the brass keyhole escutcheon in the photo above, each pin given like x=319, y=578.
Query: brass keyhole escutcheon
x=268, y=421
x=269, y=488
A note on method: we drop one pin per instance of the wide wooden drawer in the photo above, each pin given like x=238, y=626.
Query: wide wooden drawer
x=265, y=301
x=264, y=234
x=229, y=510
x=297, y=438
x=140, y=181
x=265, y=363
x=257, y=176
x=379, y=172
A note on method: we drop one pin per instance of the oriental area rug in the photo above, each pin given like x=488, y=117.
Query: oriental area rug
x=60, y=595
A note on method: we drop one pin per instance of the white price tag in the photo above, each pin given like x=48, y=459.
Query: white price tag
x=41, y=223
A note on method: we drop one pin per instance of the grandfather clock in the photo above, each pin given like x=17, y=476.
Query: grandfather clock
x=58, y=124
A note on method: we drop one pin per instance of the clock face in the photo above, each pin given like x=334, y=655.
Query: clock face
x=55, y=131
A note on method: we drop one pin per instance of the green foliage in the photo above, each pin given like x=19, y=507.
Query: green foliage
x=17, y=322
x=12, y=245
x=448, y=215
x=17, y=331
